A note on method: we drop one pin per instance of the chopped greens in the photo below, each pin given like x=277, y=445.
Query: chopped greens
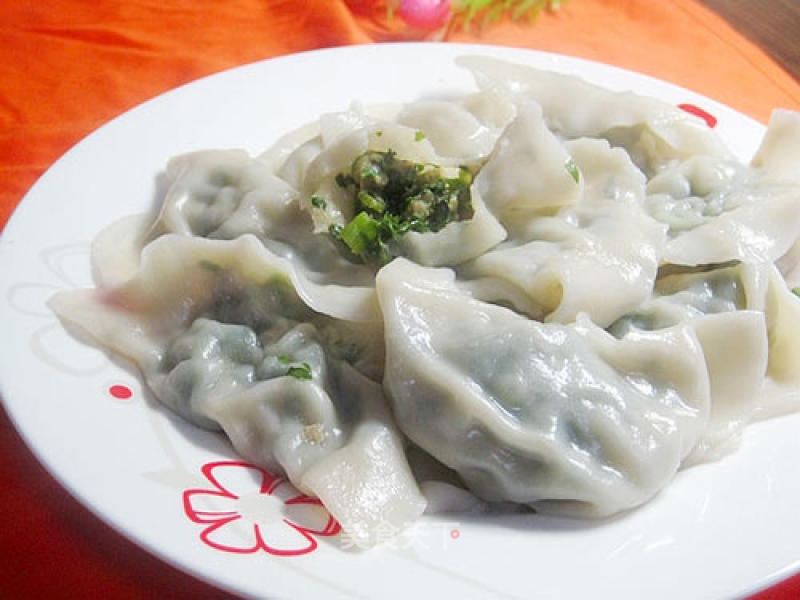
x=796, y=291
x=419, y=136
x=302, y=371
x=209, y=265
x=318, y=202
x=393, y=196
x=298, y=371
x=572, y=169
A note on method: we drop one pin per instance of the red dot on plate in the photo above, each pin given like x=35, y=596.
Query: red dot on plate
x=123, y=392
x=710, y=119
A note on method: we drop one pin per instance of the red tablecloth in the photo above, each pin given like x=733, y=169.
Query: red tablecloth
x=67, y=67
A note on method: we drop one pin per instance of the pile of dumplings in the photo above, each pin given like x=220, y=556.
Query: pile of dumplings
x=618, y=307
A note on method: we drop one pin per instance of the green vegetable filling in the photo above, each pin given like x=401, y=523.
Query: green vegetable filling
x=302, y=371
x=393, y=196
x=209, y=265
x=572, y=169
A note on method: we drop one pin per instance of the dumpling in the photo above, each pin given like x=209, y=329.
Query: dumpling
x=718, y=211
x=225, y=195
x=653, y=132
x=529, y=172
x=781, y=392
x=780, y=148
x=566, y=419
x=465, y=129
x=777, y=156
x=222, y=338
x=744, y=317
x=597, y=255
x=337, y=189
x=724, y=306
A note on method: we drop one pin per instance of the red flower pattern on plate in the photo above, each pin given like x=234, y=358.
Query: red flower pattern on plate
x=247, y=509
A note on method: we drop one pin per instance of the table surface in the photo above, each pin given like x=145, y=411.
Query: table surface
x=67, y=67
x=773, y=25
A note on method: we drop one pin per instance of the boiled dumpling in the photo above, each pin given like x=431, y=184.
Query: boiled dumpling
x=222, y=337
x=598, y=254
x=564, y=418
x=653, y=132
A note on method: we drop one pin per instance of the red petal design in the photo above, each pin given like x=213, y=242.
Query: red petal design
x=206, y=533
x=710, y=119
x=312, y=543
x=204, y=516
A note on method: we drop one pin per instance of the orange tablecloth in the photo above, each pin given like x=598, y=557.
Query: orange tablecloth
x=67, y=67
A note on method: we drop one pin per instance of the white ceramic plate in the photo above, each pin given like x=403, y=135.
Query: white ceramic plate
x=719, y=530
